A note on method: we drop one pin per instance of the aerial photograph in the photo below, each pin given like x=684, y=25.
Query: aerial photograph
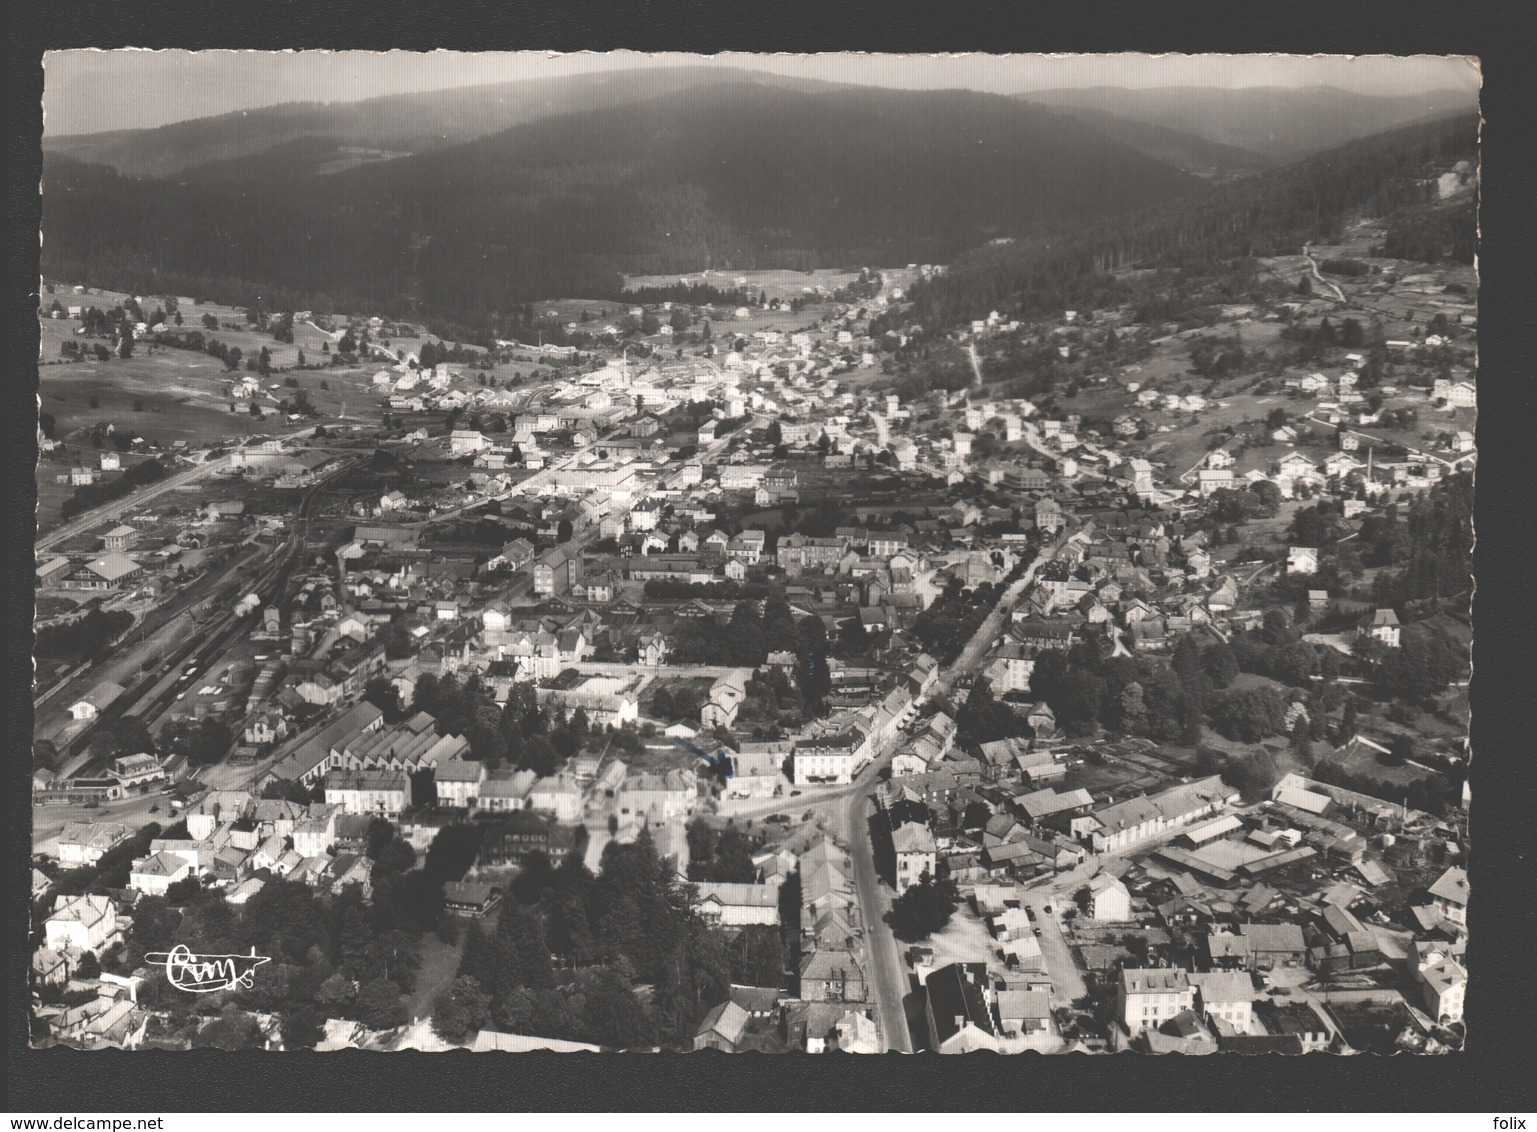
x=783, y=553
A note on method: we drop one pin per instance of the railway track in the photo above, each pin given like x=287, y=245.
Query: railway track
x=206, y=646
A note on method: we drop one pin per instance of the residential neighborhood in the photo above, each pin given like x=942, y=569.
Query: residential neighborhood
x=768, y=660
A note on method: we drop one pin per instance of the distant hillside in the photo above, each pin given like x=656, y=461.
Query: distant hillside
x=297, y=139
x=1282, y=124
x=736, y=175
x=1392, y=176
x=1184, y=151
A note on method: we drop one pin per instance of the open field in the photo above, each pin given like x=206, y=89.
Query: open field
x=600, y=311
x=1363, y=762
x=777, y=284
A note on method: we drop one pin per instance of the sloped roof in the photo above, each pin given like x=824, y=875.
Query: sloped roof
x=728, y=1020
x=1452, y=886
x=953, y=996
x=911, y=837
x=739, y=894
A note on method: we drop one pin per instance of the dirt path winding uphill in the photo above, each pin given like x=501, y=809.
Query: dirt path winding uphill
x=1313, y=263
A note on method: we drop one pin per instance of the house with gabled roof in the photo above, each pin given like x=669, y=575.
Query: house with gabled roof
x=1148, y=997
x=1450, y=895
x=87, y=922
x=722, y=1028
x=1109, y=900
x=735, y=905
x=1382, y=626
x=957, y=1010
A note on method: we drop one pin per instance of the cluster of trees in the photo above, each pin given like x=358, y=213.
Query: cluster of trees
x=1252, y=773
x=724, y=855
x=332, y=957
x=1227, y=505
x=1433, y=235
x=1440, y=545
x=674, y=703
x=1278, y=651
x=923, y=909
x=1426, y=662
x=953, y=619
x=75, y=351
x=1249, y=714
x=985, y=719
x=202, y=741
x=1138, y=695
x=748, y=638
x=90, y=495
x=1167, y=701
x=521, y=733
x=567, y=967
x=84, y=636
x=695, y=295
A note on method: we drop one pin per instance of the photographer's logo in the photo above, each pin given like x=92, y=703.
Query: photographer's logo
x=202, y=974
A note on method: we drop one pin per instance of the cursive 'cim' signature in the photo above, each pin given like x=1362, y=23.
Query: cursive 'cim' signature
x=201, y=974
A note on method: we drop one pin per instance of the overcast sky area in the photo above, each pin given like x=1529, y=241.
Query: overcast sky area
x=92, y=91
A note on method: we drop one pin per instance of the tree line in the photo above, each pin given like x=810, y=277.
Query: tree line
x=1270, y=214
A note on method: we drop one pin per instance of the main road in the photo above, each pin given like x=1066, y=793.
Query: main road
x=888, y=975
x=105, y=514
x=992, y=625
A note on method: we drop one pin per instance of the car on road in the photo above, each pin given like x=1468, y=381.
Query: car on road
x=795, y=793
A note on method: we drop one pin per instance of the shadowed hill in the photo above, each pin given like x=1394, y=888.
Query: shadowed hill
x=734, y=175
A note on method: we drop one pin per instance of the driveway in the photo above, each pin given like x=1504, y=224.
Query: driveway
x=1066, y=981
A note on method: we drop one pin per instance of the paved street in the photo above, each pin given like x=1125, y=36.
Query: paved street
x=888, y=974
x=49, y=821
x=992, y=626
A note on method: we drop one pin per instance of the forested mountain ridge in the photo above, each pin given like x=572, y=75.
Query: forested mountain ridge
x=734, y=175
x=227, y=145
x=1389, y=176
x=1183, y=150
x=1283, y=124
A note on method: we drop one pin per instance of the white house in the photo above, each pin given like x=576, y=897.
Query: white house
x=154, y=874
x=85, y=922
x=1109, y=901
x=458, y=782
x=1383, y=626
x=915, y=853
x=1302, y=560
x=1450, y=894
x=1226, y=996
x=733, y=905
x=1149, y=996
